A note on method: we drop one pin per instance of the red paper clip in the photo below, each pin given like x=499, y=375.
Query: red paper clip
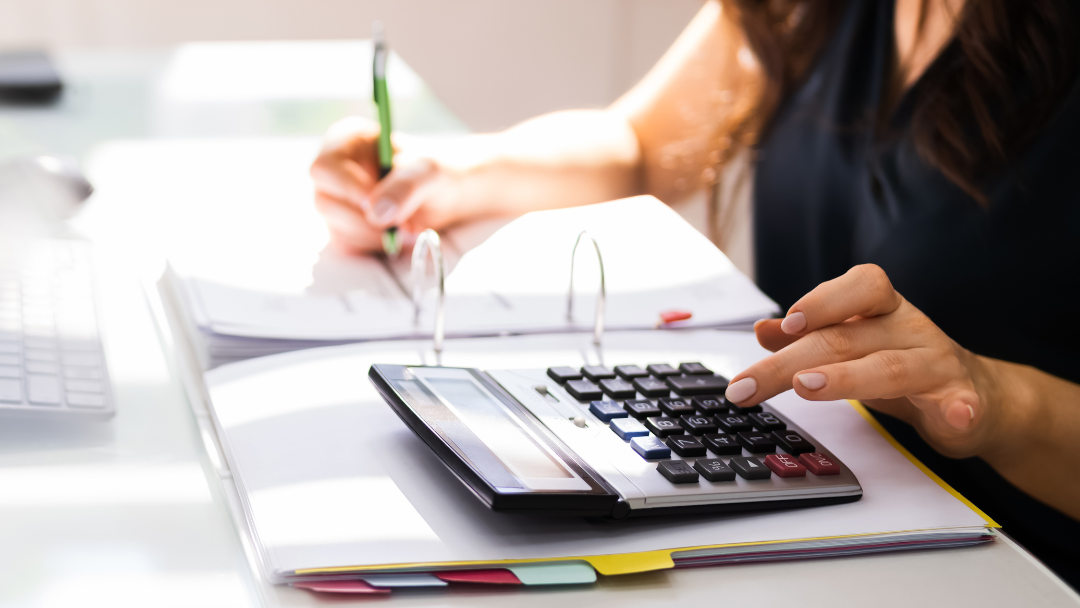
x=671, y=316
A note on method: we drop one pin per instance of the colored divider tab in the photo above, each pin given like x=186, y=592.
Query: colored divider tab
x=403, y=580
x=554, y=573
x=495, y=576
x=339, y=587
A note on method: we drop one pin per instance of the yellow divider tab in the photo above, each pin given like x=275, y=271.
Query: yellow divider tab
x=630, y=563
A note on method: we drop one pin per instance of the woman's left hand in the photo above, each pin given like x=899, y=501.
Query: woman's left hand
x=855, y=337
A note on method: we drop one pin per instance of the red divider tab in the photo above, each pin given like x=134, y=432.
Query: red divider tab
x=819, y=464
x=785, y=465
x=483, y=577
x=340, y=587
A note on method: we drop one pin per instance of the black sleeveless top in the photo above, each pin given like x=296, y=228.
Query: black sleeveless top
x=832, y=192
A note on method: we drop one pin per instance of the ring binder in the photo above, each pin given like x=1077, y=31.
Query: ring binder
x=429, y=241
x=598, y=323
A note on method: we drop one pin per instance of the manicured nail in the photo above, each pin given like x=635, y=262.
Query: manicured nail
x=813, y=380
x=385, y=210
x=793, y=323
x=960, y=415
x=740, y=391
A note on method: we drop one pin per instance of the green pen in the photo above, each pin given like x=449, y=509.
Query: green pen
x=390, y=239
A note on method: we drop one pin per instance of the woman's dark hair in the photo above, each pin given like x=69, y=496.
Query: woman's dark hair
x=1014, y=64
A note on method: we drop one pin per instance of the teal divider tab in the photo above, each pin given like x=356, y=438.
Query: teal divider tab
x=554, y=573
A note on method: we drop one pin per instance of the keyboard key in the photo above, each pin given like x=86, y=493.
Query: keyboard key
x=628, y=428
x=714, y=469
x=677, y=471
x=685, y=445
x=722, y=444
x=596, y=373
x=10, y=371
x=698, y=425
x=629, y=372
x=694, y=369
x=792, y=442
x=39, y=367
x=641, y=408
x=584, y=390
x=9, y=347
x=11, y=390
x=710, y=404
x=650, y=447
x=743, y=411
x=767, y=421
x=86, y=400
x=675, y=407
x=562, y=374
x=35, y=354
x=603, y=410
x=617, y=388
x=732, y=423
x=755, y=442
x=17, y=360
x=651, y=387
x=749, y=467
x=42, y=390
x=785, y=465
x=662, y=370
x=662, y=426
x=81, y=359
x=819, y=464
x=697, y=385
x=83, y=373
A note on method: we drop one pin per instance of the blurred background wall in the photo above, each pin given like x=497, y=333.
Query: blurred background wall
x=493, y=62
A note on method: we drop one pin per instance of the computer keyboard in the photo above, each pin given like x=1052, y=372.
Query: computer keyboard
x=51, y=360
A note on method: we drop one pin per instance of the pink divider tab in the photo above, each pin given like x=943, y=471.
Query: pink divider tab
x=483, y=577
x=340, y=587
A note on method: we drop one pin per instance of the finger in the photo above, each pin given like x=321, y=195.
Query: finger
x=347, y=224
x=390, y=198
x=863, y=291
x=770, y=336
x=342, y=178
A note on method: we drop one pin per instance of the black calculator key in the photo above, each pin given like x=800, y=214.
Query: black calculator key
x=746, y=410
x=617, y=388
x=596, y=373
x=792, y=442
x=698, y=425
x=606, y=411
x=714, y=469
x=662, y=370
x=697, y=385
x=710, y=404
x=722, y=444
x=695, y=369
x=562, y=374
x=629, y=372
x=749, y=467
x=662, y=426
x=584, y=390
x=641, y=408
x=767, y=421
x=651, y=387
x=733, y=423
x=677, y=471
x=675, y=407
x=756, y=442
x=686, y=445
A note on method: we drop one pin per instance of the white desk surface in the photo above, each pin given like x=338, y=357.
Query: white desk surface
x=129, y=513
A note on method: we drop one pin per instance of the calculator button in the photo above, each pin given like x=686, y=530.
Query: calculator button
x=662, y=370
x=628, y=428
x=629, y=372
x=767, y=421
x=697, y=385
x=562, y=374
x=695, y=369
x=675, y=407
x=710, y=404
x=641, y=408
x=86, y=400
x=714, y=469
x=677, y=471
x=698, y=425
x=606, y=410
x=749, y=467
x=746, y=410
x=792, y=442
x=11, y=390
x=722, y=444
x=785, y=465
x=732, y=423
x=819, y=464
x=597, y=373
x=651, y=387
x=43, y=390
x=584, y=390
x=662, y=426
x=685, y=445
x=755, y=442
x=617, y=388
x=650, y=447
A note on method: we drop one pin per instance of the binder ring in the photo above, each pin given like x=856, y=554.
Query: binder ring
x=429, y=241
x=598, y=323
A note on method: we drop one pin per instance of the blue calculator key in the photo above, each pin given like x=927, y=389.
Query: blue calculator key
x=628, y=428
x=606, y=410
x=650, y=447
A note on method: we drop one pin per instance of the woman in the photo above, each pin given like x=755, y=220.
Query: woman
x=914, y=147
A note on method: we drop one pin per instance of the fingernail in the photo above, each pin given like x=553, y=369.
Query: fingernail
x=793, y=323
x=740, y=391
x=385, y=210
x=960, y=415
x=813, y=380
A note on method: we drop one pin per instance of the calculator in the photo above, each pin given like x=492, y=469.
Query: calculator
x=612, y=442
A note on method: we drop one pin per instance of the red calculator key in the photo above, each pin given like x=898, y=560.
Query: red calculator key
x=819, y=464
x=785, y=465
